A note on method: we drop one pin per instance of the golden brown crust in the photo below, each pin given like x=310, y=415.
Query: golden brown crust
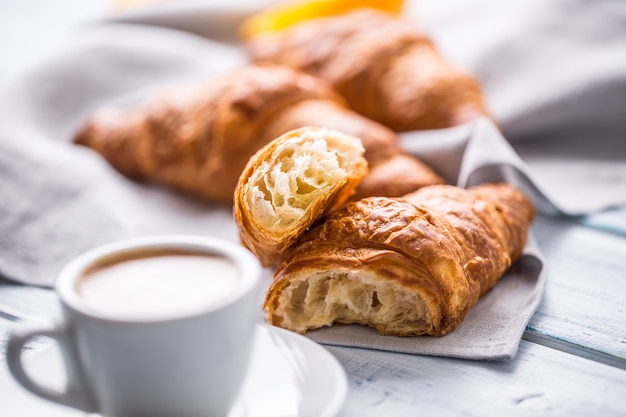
x=405, y=266
x=290, y=183
x=198, y=138
x=396, y=176
x=385, y=68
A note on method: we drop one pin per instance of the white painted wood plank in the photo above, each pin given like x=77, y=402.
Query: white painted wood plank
x=612, y=221
x=584, y=307
x=27, y=302
x=539, y=381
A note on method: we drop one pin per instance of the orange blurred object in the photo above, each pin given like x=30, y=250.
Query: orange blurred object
x=288, y=13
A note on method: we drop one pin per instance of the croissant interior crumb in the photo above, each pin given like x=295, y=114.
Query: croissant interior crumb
x=327, y=297
x=300, y=171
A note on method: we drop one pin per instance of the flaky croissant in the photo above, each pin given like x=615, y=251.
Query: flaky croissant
x=385, y=68
x=290, y=183
x=198, y=138
x=404, y=266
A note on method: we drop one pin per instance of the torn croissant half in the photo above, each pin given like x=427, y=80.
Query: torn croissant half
x=290, y=183
x=404, y=266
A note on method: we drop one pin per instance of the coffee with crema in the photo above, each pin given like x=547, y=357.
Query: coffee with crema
x=158, y=284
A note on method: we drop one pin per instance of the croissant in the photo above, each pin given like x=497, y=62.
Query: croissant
x=405, y=266
x=198, y=138
x=290, y=183
x=385, y=68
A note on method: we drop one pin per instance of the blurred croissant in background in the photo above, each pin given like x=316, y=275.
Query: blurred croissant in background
x=198, y=138
x=384, y=67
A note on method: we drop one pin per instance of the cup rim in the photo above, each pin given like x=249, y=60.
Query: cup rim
x=248, y=264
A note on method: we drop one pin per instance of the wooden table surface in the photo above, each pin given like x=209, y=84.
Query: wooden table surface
x=572, y=359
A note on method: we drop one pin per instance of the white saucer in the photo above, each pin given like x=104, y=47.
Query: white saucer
x=290, y=376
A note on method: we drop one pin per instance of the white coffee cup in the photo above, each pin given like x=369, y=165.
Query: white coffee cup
x=189, y=361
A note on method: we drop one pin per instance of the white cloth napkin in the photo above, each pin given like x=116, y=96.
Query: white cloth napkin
x=58, y=199
x=468, y=155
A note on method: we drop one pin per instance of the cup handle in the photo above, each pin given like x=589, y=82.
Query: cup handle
x=75, y=393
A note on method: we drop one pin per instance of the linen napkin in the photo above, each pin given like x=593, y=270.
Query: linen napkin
x=469, y=155
x=59, y=199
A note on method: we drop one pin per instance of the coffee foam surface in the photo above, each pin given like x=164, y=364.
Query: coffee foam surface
x=158, y=285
